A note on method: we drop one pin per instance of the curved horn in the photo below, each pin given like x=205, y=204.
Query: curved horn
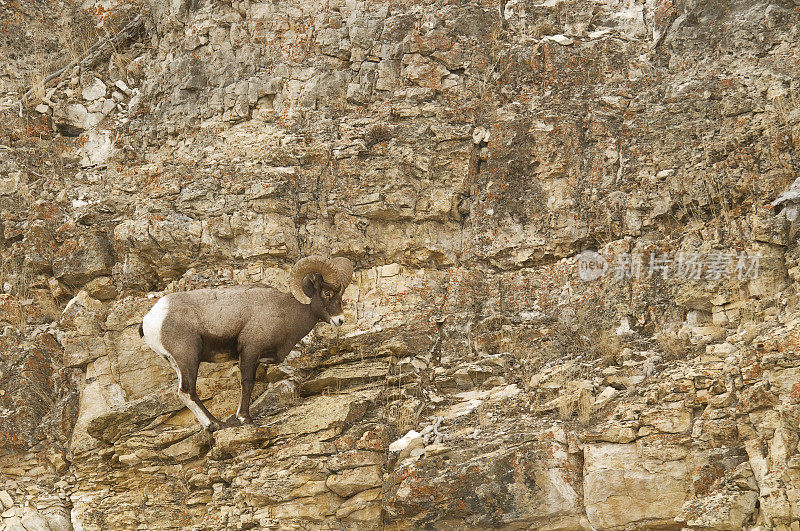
x=308, y=265
x=345, y=269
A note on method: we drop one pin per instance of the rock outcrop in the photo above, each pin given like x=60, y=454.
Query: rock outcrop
x=574, y=226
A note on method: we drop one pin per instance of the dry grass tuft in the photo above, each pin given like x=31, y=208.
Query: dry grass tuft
x=673, y=347
x=378, y=133
x=606, y=345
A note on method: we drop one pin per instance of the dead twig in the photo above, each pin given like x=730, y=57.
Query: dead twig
x=92, y=56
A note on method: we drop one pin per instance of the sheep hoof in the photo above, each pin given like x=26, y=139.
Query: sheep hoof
x=215, y=426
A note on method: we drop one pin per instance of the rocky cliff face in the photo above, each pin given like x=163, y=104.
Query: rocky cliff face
x=574, y=304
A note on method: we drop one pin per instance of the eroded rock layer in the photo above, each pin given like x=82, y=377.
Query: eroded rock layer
x=574, y=226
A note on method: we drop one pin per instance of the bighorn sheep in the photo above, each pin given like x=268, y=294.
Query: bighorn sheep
x=255, y=323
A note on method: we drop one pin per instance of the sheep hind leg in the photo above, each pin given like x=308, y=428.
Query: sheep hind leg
x=187, y=391
x=192, y=401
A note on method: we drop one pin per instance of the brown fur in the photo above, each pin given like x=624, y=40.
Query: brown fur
x=244, y=322
x=227, y=320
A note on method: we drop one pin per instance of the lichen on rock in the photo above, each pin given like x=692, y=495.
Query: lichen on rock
x=574, y=226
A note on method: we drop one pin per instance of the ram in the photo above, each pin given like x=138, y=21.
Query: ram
x=254, y=323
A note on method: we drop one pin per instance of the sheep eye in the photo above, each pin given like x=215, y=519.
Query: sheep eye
x=327, y=294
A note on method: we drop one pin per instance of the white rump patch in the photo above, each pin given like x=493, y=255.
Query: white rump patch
x=151, y=326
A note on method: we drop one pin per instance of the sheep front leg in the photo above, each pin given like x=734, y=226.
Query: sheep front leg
x=248, y=363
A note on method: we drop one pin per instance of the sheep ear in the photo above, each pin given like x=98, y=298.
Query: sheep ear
x=311, y=284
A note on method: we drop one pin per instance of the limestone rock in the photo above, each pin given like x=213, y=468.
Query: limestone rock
x=101, y=288
x=314, y=508
x=97, y=148
x=76, y=115
x=230, y=441
x=34, y=408
x=81, y=259
x=354, y=459
x=468, y=157
x=723, y=511
x=190, y=447
x=669, y=420
x=84, y=314
x=125, y=417
x=563, y=40
x=344, y=376
x=322, y=413
x=121, y=85
x=624, y=488
x=363, y=507
x=35, y=522
x=94, y=90
x=428, y=489
x=6, y=500
x=81, y=349
x=354, y=480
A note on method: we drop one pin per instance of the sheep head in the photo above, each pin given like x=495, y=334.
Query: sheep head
x=335, y=272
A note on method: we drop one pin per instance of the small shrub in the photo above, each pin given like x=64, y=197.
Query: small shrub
x=672, y=346
x=378, y=133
